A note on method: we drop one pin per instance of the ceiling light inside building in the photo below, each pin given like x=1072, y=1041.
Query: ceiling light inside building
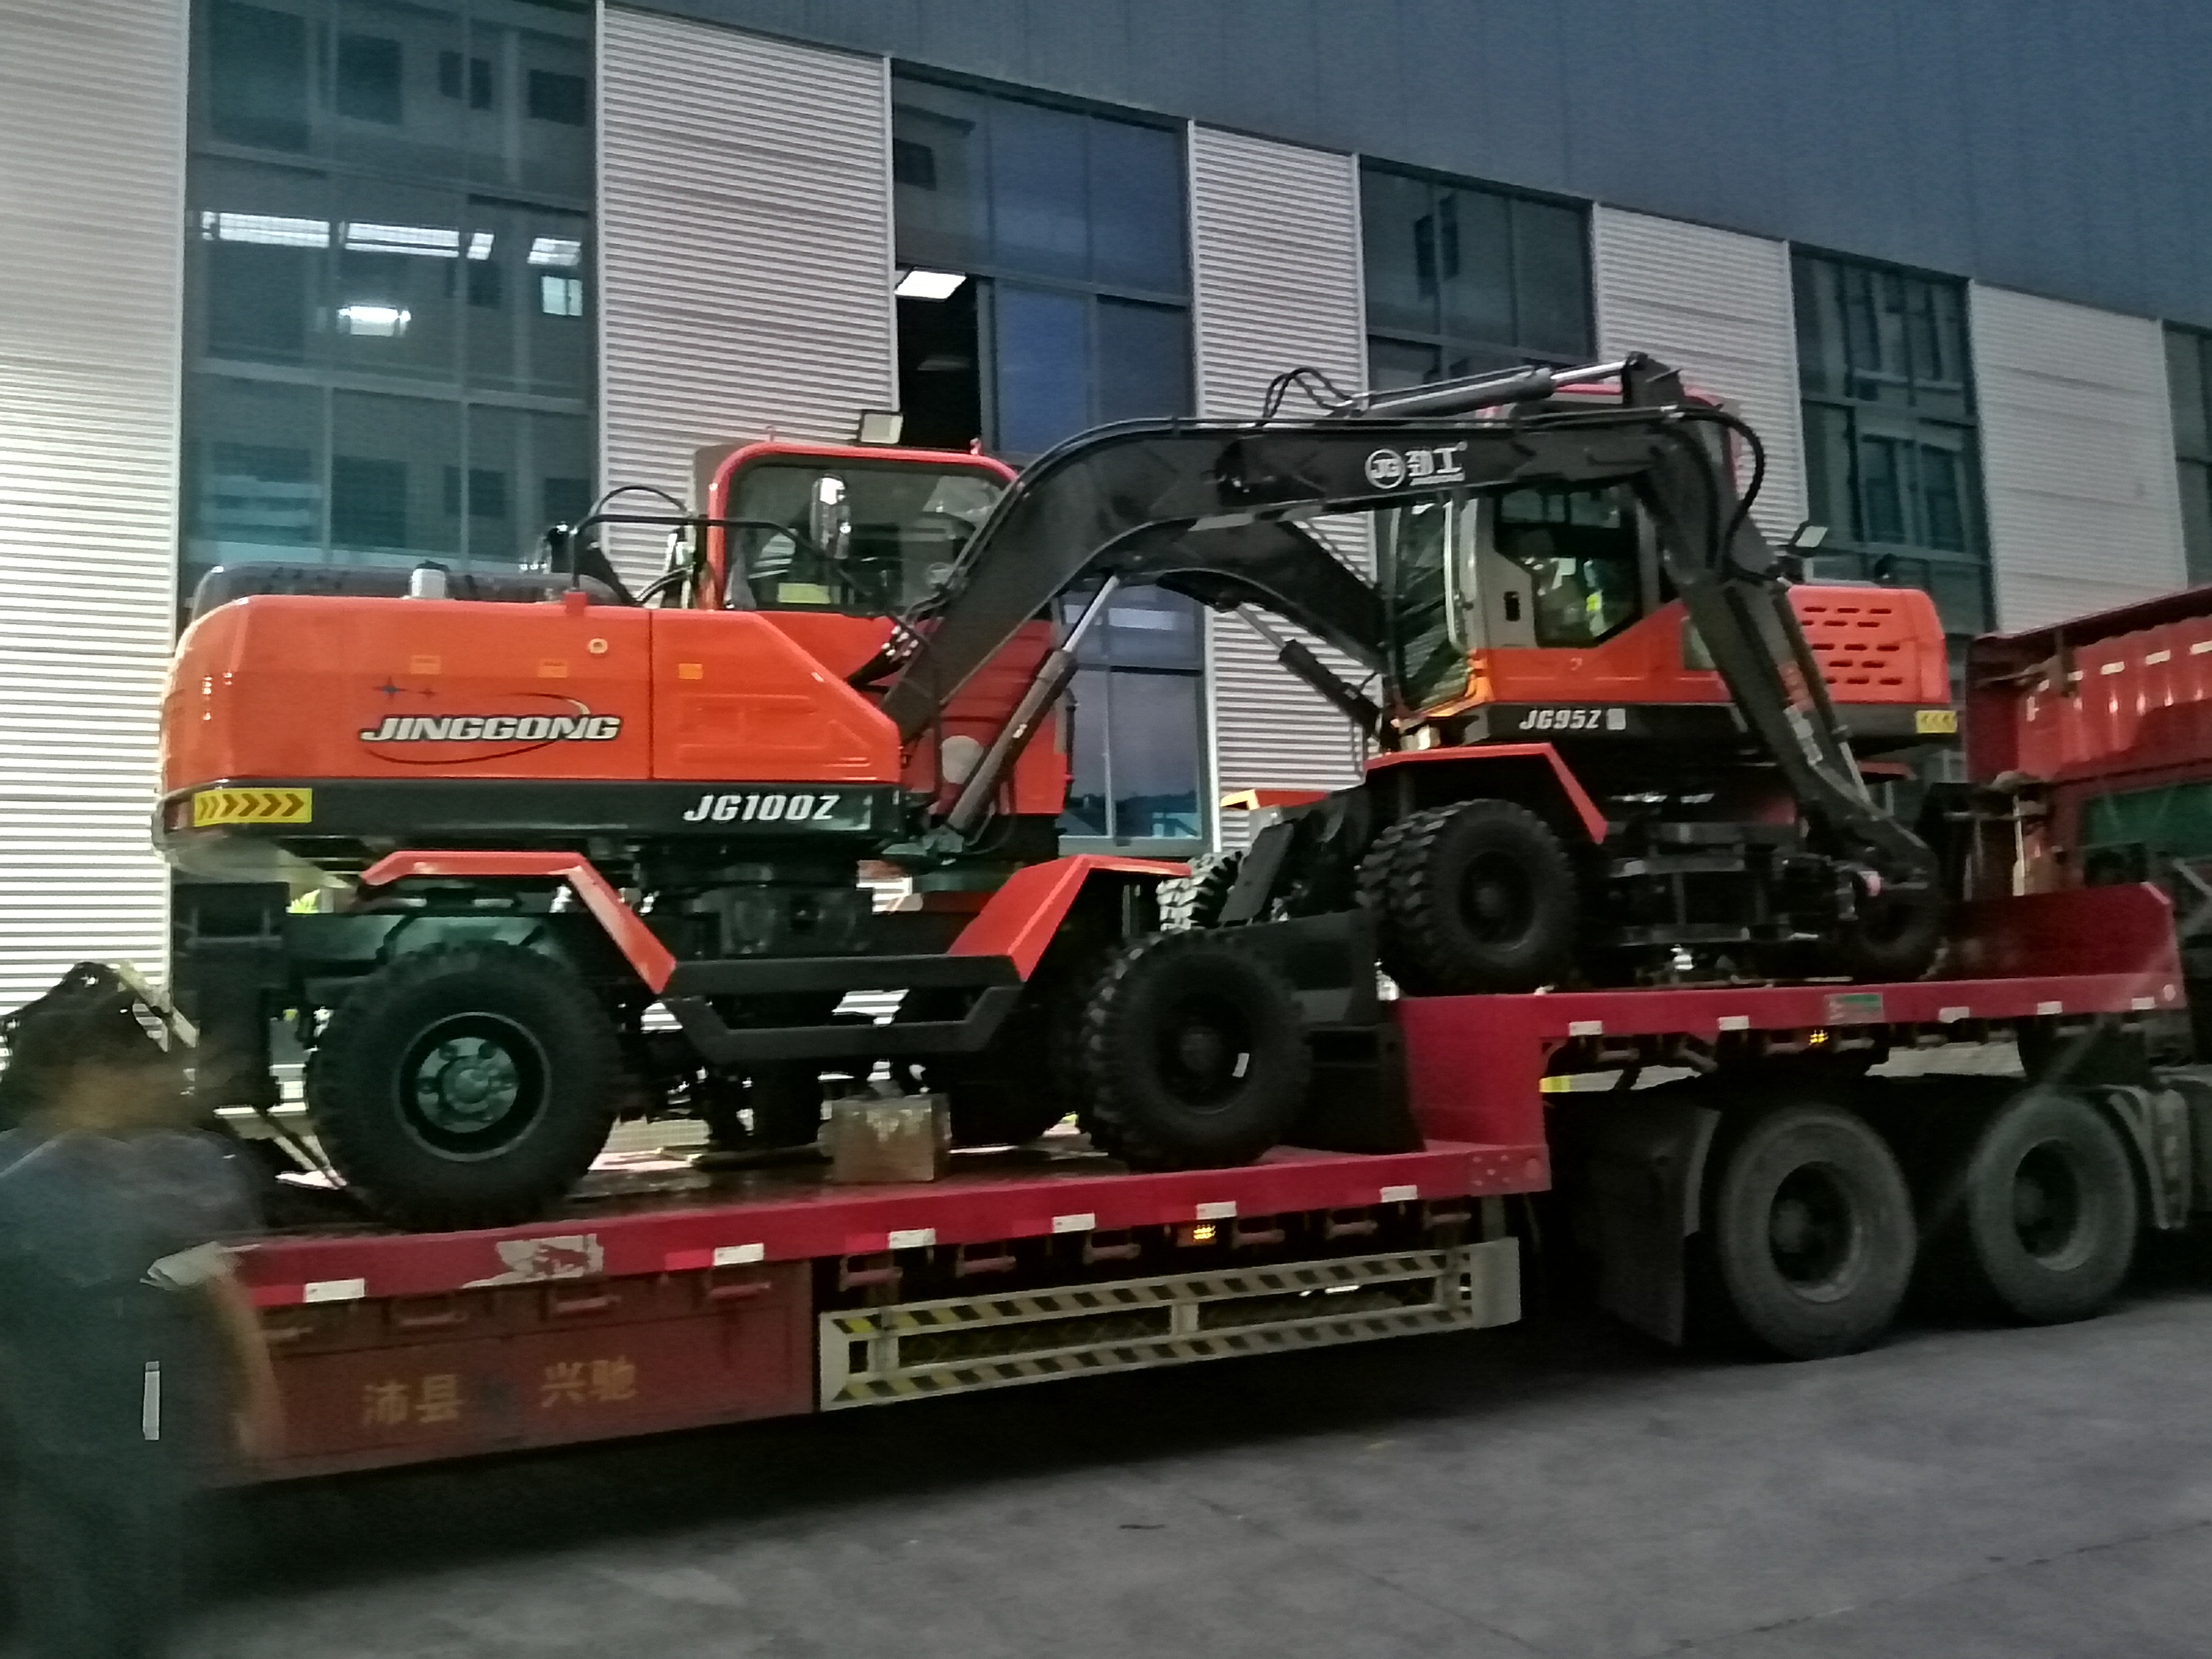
x=374, y=322
x=433, y=241
x=556, y=250
x=480, y=245
x=269, y=228
x=928, y=284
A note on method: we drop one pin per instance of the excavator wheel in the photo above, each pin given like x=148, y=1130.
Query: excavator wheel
x=1195, y=900
x=1477, y=897
x=1895, y=935
x=465, y=1085
x=1188, y=1053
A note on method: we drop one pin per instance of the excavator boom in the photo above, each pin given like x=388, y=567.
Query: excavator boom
x=1217, y=511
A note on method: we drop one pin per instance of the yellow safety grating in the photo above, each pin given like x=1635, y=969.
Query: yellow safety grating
x=871, y=1355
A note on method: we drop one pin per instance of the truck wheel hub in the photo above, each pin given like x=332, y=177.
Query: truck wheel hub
x=466, y=1083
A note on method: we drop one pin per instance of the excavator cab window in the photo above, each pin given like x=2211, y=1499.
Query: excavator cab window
x=854, y=537
x=1581, y=550
x=1424, y=569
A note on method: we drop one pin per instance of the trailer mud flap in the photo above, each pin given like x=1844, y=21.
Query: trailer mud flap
x=1632, y=1175
x=873, y=1355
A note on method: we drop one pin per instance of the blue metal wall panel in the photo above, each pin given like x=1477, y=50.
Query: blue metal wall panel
x=2063, y=147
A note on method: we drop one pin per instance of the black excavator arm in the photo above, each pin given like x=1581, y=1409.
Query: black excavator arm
x=1217, y=512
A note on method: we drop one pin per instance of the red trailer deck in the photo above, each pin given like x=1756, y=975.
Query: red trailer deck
x=774, y=1293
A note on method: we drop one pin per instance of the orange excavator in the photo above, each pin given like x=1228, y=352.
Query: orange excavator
x=469, y=836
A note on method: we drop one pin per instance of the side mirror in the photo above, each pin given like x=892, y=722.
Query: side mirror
x=829, y=518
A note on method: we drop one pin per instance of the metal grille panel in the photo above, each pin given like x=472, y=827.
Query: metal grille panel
x=1275, y=250
x=1717, y=305
x=745, y=230
x=91, y=123
x=2077, y=457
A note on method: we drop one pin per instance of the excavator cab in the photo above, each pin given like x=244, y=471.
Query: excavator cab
x=849, y=531
x=1473, y=574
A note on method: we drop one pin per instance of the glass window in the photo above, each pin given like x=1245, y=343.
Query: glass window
x=1067, y=228
x=388, y=460
x=2189, y=376
x=256, y=81
x=1579, y=549
x=1136, y=207
x=903, y=529
x=1143, y=360
x=1463, y=279
x=1136, y=738
x=1043, y=361
x=1891, y=464
x=1040, y=219
x=253, y=485
x=939, y=197
x=381, y=370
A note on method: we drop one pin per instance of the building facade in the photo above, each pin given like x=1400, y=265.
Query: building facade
x=382, y=281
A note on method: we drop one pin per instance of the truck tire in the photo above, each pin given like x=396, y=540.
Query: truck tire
x=2040, y=1216
x=1478, y=896
x=466, y=1085
x=1188, y=1053
x=1195, y=900
x=1894, y=936
x=1809, y=1231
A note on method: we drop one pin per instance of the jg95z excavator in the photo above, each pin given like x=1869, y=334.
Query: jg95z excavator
x=532, y=809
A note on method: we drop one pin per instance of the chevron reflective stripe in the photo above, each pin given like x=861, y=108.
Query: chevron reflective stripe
x=1133, y=1356
x=211, y=807
x=1137, y=1293
x=870, y=1355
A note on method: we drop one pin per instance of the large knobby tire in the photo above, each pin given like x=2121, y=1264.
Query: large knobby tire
x=1188, y=1053
x=1195, y=900
x=1810, y=1232
x=1895, y=935
x=466, y=1085
x=2039, y=1218
x=1479, y=896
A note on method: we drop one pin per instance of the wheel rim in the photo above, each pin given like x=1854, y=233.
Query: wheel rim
x=2050, y=1211
x=471, y=1086
x=1813, y=1232
x=1495, y=899
x=1205, y=1052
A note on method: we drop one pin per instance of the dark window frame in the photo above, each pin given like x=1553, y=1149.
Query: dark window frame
x=991, y=274
x=1876, y=405
x=2192, y=441
x=492, y=421
x=1471, y=349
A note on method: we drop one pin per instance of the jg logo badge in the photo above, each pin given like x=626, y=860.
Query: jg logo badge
x=1442, y=463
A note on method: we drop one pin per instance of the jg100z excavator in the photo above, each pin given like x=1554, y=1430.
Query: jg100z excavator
x=819, y=756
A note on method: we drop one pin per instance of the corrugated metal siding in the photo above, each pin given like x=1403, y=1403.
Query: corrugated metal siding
x=1275, y=250
x=1717, y=305
x=745, y=230
x=91, y=212
x=2077, y=456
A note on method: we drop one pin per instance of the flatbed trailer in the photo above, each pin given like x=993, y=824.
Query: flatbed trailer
x=773, y=1292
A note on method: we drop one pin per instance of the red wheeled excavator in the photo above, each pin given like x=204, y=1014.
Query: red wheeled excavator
x=531, y=809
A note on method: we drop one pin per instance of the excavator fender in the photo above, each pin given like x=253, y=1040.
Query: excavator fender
x=1530, y=773
x=1023, y=917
